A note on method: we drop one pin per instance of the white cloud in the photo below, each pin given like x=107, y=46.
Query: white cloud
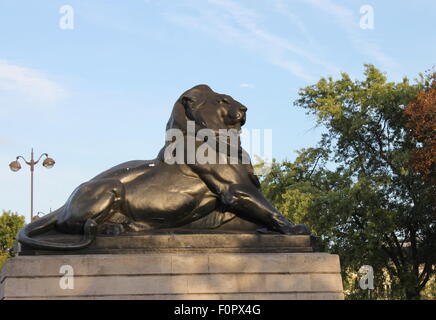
x=29, y=82
x=232, y=22
x=281, y=7
x=278, y=46
x=332, y=8
x=349, y=22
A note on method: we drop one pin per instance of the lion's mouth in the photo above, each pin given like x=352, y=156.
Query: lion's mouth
x=238, y=120
x=243, y=119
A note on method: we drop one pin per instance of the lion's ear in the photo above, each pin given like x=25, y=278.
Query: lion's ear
x=188, y=101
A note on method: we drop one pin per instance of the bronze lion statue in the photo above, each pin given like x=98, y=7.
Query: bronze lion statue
x=156, y=194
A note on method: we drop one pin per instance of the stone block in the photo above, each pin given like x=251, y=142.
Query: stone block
x=242, y=276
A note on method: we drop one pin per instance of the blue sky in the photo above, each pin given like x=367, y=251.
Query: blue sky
x=101, y=93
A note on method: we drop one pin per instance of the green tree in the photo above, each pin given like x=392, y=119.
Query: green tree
x=10, y=223
x=357, y=189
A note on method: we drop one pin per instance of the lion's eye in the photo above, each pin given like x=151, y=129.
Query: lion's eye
x=224, y=100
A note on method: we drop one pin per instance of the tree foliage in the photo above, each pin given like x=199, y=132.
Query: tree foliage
x=357, y=190
x=422, y=126
x=10, y=224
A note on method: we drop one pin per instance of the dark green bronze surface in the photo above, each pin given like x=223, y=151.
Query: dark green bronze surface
x=139, y=196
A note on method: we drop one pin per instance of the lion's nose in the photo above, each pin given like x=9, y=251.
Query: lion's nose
x=243, y=108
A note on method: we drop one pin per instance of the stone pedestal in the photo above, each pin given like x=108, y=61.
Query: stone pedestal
x=203, y=272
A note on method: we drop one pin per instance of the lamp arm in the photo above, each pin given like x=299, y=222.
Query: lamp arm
x=27, y=162
x=44, y=154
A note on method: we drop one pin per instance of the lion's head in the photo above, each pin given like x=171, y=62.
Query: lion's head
x=208, y=109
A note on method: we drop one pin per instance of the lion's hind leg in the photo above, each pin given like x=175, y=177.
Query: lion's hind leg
x=92, y=201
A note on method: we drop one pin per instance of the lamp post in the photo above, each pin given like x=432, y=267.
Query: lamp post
x=15, y=166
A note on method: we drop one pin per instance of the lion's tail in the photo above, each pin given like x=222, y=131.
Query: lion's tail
x=48, y=223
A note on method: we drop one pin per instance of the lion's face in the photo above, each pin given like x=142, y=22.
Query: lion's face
x=208, y=109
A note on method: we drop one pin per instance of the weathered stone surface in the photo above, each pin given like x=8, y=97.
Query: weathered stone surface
x=182, y=243
x=224, y=296
x=176, y=276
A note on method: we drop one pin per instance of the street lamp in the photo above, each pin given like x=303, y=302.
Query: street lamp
x=15, y=166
